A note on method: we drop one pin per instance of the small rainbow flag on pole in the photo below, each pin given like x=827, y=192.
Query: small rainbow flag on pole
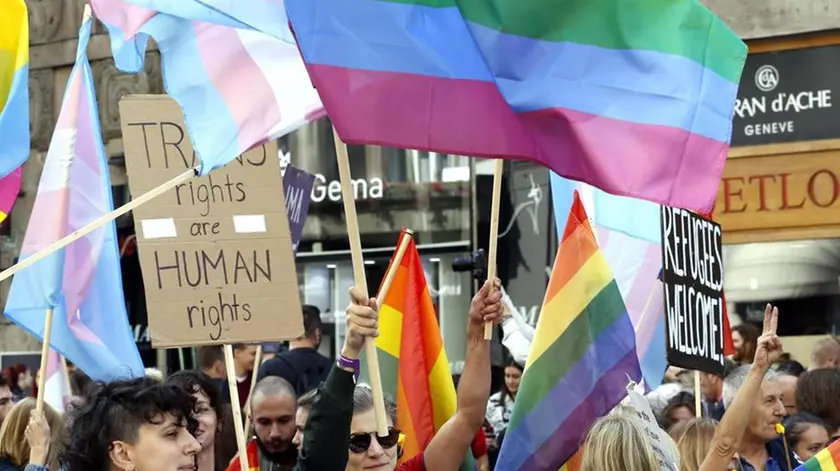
x=14, y=90
x=828, y=459
x=413, y=362
x=635, y=98
x=584, y=349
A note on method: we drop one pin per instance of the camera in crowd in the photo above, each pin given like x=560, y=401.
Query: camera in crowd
x=475, y=262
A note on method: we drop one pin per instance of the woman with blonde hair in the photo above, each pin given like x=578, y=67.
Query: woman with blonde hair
x=694, y=439
x=618, y=443
x=29, y=440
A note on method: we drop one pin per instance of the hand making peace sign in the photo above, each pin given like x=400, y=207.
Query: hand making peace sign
x=768, y=346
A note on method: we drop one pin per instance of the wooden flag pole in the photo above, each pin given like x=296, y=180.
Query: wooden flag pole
x=399, y=253
x=698, y=405
x=498, y=173
x=257, y=361
x=45, y=355
x=348, y=197
x=238, y=428
x=96, y=224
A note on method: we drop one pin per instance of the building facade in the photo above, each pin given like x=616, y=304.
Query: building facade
x=778, y=194
x=779, y=200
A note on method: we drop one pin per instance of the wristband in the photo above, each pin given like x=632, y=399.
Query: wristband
x=355, y=365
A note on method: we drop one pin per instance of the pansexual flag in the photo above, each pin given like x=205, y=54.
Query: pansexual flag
x=413, y=362
x=82, y=283
x=828, y=459
x=635, y=98
x=14, y=90
x=583, y=352
x=238, y=86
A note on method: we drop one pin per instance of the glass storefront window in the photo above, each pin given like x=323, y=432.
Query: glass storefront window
x=394, y=188
x=801, y=277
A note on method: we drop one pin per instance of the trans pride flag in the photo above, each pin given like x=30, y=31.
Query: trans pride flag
x=82, y=283
x=583, y=352
x=635, y=98
x=14, y=92
x=238, y=86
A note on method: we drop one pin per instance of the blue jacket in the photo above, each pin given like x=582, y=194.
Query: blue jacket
x=776, y=450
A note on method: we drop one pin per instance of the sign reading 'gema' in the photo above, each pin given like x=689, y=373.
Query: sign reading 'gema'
x=692, y=275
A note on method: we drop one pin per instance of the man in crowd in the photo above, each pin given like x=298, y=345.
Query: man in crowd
x=273, y=407
x=711, y=386
x=6, y=401
x=211, y=362
x=244, y=357
x=302, y=366
x=761, y=447
x=788, y=382
x=826, y=354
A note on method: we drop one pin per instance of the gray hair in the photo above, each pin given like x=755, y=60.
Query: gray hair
x=363, y=402
x=733, y=382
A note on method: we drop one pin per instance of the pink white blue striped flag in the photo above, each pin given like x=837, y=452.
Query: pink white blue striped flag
x=57, y=385
x=233, y=67
x=82, y=283
x=628, y=232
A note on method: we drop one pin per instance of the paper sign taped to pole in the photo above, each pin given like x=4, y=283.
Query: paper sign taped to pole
x=215, y=251
x=658, y=439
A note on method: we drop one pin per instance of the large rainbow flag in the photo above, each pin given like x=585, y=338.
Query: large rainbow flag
x=583, y=352
x=828, y=459
x=413, y=363
x=14, y=90
x=635, y=98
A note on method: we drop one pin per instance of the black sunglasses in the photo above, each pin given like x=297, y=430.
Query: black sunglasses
x=360, y=442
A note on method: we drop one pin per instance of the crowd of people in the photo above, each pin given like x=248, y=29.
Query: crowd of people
x=308, y=412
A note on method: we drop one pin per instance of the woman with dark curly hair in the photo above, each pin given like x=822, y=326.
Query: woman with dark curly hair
x=207, y=413
x=132, y=425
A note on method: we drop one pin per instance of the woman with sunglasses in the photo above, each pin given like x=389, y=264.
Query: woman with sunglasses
x=340, y=433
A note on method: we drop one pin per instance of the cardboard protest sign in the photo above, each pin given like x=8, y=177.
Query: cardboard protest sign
x=215, y=251
x=297, y=185
x=692, y=276
x=654, y=434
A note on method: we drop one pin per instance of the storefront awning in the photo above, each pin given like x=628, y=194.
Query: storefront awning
x=781, y=270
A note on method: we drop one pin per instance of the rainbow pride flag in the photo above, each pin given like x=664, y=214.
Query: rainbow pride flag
x=828, y=459
x=635, y=98
x=14, y=90
x=413, y=363
x=584, y=349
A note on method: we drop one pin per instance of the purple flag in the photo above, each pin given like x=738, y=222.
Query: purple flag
x=297, y=184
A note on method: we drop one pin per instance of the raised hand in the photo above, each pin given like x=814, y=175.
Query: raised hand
x=37, y=435
x=362, y=322
x=486, y=306
x=769, y=346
